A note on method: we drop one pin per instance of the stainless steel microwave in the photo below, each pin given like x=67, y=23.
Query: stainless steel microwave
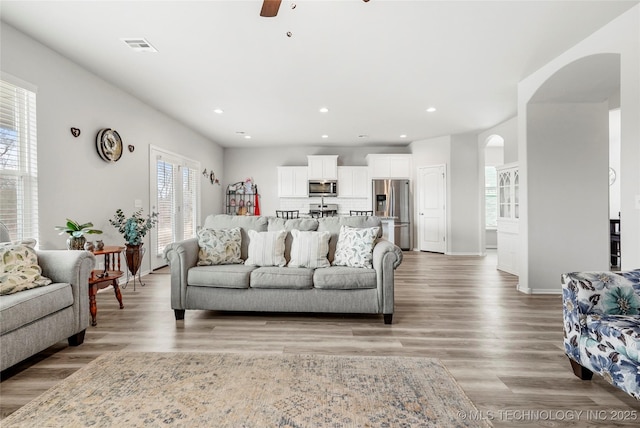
x=323, y=188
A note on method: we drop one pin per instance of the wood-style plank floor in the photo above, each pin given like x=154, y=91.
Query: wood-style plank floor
x=503, y=347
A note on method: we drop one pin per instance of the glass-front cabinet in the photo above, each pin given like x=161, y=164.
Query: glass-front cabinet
x=508, y=217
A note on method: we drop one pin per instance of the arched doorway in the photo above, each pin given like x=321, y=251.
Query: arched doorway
x=567, y=168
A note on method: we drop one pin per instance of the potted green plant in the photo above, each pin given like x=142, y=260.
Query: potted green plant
x=133, y=229
x=76, y=233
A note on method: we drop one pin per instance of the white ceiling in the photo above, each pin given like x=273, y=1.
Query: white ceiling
x=376, y=65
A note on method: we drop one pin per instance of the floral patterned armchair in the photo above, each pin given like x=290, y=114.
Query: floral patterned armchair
x=602, y=326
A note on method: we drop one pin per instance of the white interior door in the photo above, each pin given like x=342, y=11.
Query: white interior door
x=432, y=208
x=175, y=196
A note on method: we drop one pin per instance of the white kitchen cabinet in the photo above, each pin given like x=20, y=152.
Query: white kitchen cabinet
x=508, y=218
x=323, y=167
x=389, y=166
x=353, y=182
x=292, y=181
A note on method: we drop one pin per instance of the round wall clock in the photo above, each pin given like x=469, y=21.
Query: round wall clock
x=109, y=145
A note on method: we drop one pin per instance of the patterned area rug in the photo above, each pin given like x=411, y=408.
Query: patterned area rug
x=238, y=390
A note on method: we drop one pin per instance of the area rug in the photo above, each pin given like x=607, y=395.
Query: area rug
x=126, y=389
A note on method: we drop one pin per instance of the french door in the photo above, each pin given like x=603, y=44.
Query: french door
x=175, y=196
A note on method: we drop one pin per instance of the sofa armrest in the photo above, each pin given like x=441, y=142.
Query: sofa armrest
x=72, y=267
x=584, y=293
x=386, y=258
x=181, y=257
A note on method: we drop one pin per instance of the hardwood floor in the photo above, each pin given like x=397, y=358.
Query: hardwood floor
x=503, y=347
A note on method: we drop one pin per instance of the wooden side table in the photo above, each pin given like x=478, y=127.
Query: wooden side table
x=100, y=278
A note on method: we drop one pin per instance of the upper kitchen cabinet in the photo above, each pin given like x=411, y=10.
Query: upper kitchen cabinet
x=353, y=182
x=389, y=166
x=292, y=182
x=323, y=167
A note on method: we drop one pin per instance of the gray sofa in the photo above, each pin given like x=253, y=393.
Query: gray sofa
x=238, y=287
x=33, y=320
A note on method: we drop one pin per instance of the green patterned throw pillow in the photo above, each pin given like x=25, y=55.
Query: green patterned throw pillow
x=219, y=246
x=355, y=247
x=19, y=269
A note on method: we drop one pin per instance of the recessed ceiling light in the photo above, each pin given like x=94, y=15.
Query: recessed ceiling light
x=324, y=110
x=325, y=136
x=248, y=137
x=431, y=109
x=218, y=111
x=403, y=136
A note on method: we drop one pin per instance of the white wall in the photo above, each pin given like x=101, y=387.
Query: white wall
x=73, y=180
x=620, y=36
x=467, y=232
x=568, y=191
x=614, y=162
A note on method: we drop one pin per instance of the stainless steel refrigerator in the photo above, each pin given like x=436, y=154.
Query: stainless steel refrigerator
x=391, y=198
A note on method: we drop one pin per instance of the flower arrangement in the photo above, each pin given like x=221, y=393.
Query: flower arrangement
x=133, y=228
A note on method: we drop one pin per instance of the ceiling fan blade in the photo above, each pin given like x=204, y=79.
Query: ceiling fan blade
x=270, y=8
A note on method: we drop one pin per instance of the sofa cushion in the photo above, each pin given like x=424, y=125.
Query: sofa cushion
x=266, y=248
x=344, y=278
x=221, y=276
x=617, y=333
x=309, y=249
x=355, y=246
x=281, y=277
x=19, y=269
x=244, y=222
x=20, y=309
x=219, y=246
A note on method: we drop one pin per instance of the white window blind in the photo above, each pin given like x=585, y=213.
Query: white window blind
x=189, y=201
x=18, y=161
x=166, y=204
x=177, y=200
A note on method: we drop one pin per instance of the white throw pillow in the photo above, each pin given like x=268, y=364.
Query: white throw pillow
x=309, y=249
x=266, y=248
x=355, y=246
x=219, y=246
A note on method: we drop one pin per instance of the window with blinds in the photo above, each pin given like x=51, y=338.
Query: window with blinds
x=176, y=200
x=166, y=204
x=18, y=161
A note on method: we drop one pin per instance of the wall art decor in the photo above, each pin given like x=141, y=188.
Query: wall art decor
x=131, y=148
x=211, y=176
x=109, y=145
x=75, y=132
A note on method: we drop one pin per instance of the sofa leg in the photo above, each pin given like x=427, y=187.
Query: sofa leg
x=388, y=318
x=77, y=339
x=179, y=314
x=582, y=372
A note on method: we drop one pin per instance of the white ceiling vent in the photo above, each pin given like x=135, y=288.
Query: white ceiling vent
x=139, y=45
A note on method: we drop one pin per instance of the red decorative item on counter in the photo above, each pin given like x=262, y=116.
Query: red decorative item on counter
x=256, y=204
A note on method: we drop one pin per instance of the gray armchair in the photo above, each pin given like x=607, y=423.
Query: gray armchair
x=33, y=320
